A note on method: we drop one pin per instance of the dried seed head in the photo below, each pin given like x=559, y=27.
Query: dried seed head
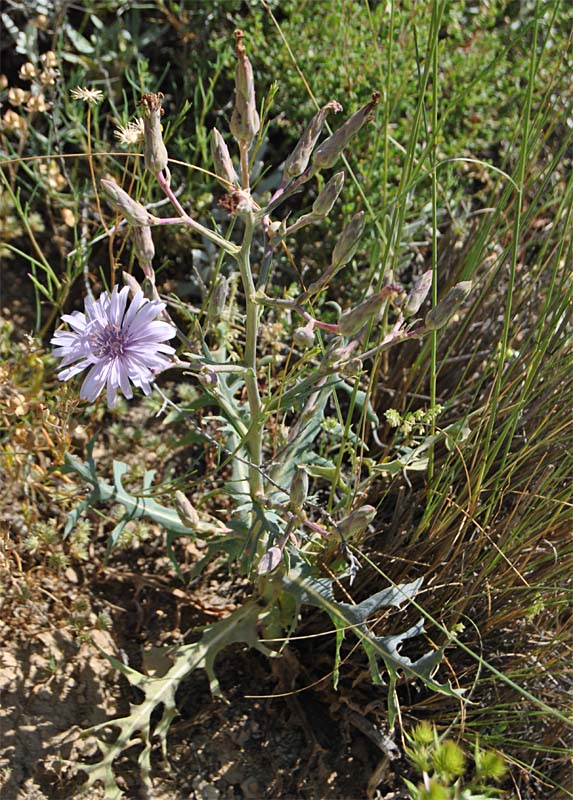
x=298, y=160
x=224, y=168
x=186, y=510
x=418, y=294
x=119, y=200
x=245, y=121
x=329, y=151
x=322, y=206
x=348, y=241
x=351, y=321
x=356, y=522
x=440, y=314
x=155, y=152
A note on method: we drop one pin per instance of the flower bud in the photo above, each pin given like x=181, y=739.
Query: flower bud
x=298, y=160
x=155, y=152
x=120, y=201
x=356, y=522
x=322, y=206
x=218, y=299
x=348, y=241
x=351, y=321
x=350, y=369
x=245, y=121
x=298, y=489
x=222, y=160
x=440, y=314
x=418, y=294
x=304, y=337
x=329, y=151
x=133, y=284
x=186, y=510
x=144, y=247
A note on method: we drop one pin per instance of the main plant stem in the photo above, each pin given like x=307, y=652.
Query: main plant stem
x=254, y=438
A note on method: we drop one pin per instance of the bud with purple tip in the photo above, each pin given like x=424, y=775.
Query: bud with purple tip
x=330, y=150
x=245, y=122
x=298, y=160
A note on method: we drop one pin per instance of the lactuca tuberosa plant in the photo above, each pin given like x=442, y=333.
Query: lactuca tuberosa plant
x=277, y=533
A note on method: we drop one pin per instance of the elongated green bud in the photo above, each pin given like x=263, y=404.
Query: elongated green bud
x=327, y=153
x=298, y=160
x=348, y=241
x=186, y=510
x=218, y=299
x=120, y=201
x=143, y=244
x=418, y=294
x=245, y=121
x=323, y=204
x=155, y=152
x=446, y=308
x=298, y=489
x=351, y=321
x=222, y=160
x=356, y=522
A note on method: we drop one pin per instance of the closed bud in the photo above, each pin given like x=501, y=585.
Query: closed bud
x=348, y=241
x=440, y=314
x=155, y=152
x=133, y=284
x=331, y=149
x=186, y=510
x=351, y=368
x=298, y=160
x=144, y=247
x=338, y=353
x=418, y=294
x=356, y=522
x=304, y=337
x=298, y=489
x=322, y=206
x=245, y=121
x=218, y=299
x=351, y=321
x=120, y=201
x=222, y=161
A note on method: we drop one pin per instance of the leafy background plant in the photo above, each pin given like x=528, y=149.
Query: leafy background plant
x=485, y=520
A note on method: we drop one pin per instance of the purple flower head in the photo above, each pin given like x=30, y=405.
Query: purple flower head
x=119, y=345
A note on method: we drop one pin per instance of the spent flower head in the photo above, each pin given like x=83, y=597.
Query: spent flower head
x=119, y=344
x=132, y=133
x=87, y=95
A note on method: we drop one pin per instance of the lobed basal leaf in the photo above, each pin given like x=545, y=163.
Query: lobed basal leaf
x=160, y=692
